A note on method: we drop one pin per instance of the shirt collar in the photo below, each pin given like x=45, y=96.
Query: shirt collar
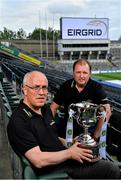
x=73, y=83
x=29, y=111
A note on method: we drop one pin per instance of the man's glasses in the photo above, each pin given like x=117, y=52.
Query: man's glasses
x=38, y=88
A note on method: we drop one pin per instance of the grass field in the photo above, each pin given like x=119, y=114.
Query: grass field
x=108, y=76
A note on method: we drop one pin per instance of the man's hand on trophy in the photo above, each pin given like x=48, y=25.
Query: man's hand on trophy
x=75, y=139
x=63, y=141
x=80, y=154
x=102, y=112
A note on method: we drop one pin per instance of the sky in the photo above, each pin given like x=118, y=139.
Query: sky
x=31, y=14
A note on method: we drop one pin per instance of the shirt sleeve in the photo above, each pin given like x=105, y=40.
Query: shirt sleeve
x=20, y=135
x=100, y=94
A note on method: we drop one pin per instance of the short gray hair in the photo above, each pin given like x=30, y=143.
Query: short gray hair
x=28, y=75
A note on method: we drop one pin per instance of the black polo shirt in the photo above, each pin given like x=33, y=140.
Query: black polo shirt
x=68, y=94
x=27, y=129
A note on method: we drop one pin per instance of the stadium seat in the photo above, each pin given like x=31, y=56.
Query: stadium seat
x=113, y=159
x=1, y=76
x=28, y=173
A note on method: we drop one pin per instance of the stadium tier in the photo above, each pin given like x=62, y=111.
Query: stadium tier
x=11, y=76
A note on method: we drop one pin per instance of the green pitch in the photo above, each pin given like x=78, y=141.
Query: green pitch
x=108, y=76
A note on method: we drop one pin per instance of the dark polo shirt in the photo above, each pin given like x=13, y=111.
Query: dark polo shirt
x=68, y=94
x=27, y=129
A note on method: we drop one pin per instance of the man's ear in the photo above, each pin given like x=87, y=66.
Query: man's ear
x=24, y=91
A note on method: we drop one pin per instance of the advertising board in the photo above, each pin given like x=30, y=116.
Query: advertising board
x=84, y=28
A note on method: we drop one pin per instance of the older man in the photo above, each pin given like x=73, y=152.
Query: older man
x=32, y=133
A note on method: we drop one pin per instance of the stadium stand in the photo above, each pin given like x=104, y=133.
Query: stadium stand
x=13, y=70
x=5, y=163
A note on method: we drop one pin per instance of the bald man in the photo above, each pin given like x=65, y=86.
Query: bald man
x=32, y=134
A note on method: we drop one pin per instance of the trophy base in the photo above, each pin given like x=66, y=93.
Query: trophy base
x=95, y=151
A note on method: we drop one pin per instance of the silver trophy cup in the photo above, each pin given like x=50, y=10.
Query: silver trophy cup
x=86, y=116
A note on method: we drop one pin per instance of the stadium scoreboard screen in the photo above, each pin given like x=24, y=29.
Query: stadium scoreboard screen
x=84, y=28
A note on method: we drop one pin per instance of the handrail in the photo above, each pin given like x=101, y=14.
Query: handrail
x=115, y=105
